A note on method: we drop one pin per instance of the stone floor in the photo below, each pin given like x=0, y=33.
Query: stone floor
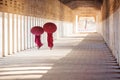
x=77, y=57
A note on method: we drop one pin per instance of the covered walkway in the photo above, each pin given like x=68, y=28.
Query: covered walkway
x=86, y=42
x=76, y=57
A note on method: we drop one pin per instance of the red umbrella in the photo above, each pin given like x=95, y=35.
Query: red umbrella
x=50, y=28
x=37, y=30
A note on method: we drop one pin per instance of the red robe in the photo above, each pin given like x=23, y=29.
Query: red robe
x=38, y=41
x=50, y=40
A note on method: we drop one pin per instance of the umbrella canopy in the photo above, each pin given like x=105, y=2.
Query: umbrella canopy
x=37, y=30
x=49, y=27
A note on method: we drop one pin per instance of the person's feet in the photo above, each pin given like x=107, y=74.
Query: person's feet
x=40, y=46
x=50, y=48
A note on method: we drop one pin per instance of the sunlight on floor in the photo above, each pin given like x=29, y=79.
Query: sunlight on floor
x=24, y=68
x=34, y=63
x=15, y=77
x=23, y=72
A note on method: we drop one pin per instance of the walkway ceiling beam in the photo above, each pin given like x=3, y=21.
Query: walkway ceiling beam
x=84, y=7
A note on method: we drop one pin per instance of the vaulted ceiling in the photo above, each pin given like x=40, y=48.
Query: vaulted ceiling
x=84, y=7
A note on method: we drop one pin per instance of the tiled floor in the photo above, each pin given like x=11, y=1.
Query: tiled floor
x=78, y=57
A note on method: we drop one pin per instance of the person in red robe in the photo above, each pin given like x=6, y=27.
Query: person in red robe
x=38, y=41
x=50, y=28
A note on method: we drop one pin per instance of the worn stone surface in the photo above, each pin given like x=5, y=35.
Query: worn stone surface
x=78, y=57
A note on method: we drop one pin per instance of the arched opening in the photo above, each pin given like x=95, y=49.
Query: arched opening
x=86, y=24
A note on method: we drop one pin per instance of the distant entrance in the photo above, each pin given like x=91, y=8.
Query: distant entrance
x=86, y=24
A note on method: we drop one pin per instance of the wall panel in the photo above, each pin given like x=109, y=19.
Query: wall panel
x=6, y=33
x=1, y=33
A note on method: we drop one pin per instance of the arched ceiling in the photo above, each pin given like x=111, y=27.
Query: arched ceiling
x=84, y=7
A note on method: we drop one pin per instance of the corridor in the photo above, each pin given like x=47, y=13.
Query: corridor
x=82, y=56
x=59, y=40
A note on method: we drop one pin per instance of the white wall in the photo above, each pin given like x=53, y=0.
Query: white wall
x=110, y=30
x=0, y=34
